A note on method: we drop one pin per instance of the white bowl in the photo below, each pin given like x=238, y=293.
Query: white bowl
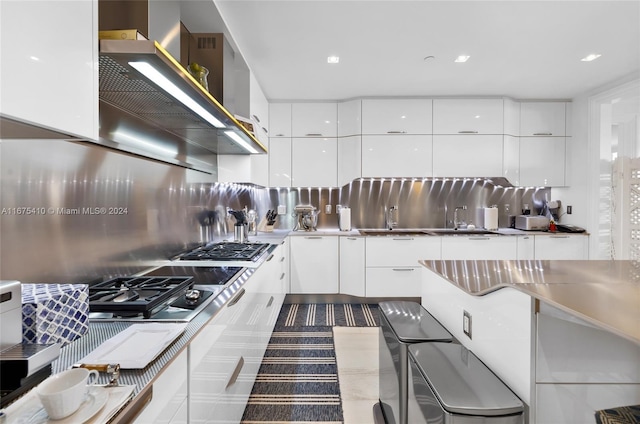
x=63, y=393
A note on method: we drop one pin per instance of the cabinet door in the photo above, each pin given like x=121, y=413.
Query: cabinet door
x=279, y=162
x=397, y=155
x=542, y=161
x=394, y=282
x=352, y=266
x=169, y=393
x=280, y=120
x=479, y=248
x=401, y=251
x=314, y=119
x=350, y=118
x=314, y=264
x=468, y=116
x=511, y=159
x=526, y=247
x=397, y=116
x=467, y=155
x=543, y=119
x=349, y=159
x=50, y=65
x=562, y=246
x=314, y=162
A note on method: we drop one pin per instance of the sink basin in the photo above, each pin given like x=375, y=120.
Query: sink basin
x=459, y=232
x=394, y=233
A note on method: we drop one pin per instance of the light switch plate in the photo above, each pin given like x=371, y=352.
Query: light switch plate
x=282, y=209
x=466, y=323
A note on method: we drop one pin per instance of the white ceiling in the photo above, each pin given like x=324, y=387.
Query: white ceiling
x=519, y=49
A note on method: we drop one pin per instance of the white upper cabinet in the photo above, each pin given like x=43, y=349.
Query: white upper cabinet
x=314, y=162
x=468, y=116
x=349, y=159
x=314, y=119
x=467, y=155
x=350, y=118
x=546, y=119
x=280, y=120
x=50, y=64
x=398, y=155
x=280, y=162
x=542, y=161
x=511, y=117
x=397, y=116
x=259, y=107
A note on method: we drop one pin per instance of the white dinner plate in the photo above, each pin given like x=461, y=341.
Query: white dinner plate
x=136, y=346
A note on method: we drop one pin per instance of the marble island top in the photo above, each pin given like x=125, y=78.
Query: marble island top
x=605, y=293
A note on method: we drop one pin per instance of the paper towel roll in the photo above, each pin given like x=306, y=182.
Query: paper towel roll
x=491, y=218
x=344, y=219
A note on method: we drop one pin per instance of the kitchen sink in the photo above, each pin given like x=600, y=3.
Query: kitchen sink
x=426, y=232
x=394, y=233
x=458, y=232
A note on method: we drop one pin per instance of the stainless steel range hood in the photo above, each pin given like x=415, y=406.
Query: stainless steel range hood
x=140, y=78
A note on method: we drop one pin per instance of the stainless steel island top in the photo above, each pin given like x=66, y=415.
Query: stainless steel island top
x=605, y=293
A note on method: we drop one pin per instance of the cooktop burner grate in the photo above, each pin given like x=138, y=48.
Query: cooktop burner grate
x=227, y=252
x=134, y=295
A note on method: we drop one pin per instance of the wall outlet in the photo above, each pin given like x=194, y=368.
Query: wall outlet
x=282, y=209
x=327, y=209
x=466, y=323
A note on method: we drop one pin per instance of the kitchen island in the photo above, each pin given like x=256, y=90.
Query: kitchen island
x=564, y=335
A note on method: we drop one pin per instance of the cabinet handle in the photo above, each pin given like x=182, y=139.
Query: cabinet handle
x=478, y=238
x=282, y=276
x=313, y=237
x=269, y=258
x=404, y=239
x=352, y=238
x=266, y=131
x=313, y=135
x=467, y=132
x=559, y=236
x=235, y=373
x=403, y=269
x=280, y=135
x=237, y=298
x=270, y=302
x=256, y=118
x=396, y=132
x=543, y=133
x=282, y=259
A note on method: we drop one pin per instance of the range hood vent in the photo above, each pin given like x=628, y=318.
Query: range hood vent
x=132, y=76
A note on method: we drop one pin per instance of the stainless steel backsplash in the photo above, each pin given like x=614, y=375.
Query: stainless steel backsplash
x=78, y=212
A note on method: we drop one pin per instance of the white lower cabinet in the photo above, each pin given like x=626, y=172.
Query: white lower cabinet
x=562, y=246
x=314, y=264
x=479, y=248
x=352, y=266
x=526, y=247
x=392, y=268
x=169, y=394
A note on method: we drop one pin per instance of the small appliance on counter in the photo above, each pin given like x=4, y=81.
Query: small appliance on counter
x=22, y=365
x=306, y=218
x=532, y=223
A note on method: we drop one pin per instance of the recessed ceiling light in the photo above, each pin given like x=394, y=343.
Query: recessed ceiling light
x=462, y=59
x=591, y=57
x=333, y=59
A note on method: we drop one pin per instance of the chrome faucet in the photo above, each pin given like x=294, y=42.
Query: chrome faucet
x=388, y=218
x=456, y=222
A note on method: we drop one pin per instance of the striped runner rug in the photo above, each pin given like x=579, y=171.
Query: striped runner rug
x=298, y=377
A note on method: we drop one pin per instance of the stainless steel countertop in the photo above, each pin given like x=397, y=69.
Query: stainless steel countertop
x=604, y=293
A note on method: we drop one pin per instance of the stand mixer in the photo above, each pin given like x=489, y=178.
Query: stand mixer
x=306, y=218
